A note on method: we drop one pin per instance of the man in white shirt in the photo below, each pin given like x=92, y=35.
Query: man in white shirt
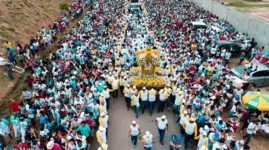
x=144, y=99
x=133, y=132
x=162, y=124
x=252, y=128
x=220, y=145
x=152, y=99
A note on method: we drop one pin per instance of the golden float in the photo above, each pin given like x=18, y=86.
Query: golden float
x=148, y=74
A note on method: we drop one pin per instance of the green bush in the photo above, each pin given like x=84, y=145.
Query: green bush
x=11, y=29
x=64, y=6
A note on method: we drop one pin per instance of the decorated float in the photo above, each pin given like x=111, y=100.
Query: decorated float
x=148, y=74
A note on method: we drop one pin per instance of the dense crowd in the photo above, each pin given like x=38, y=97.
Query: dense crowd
x=68, y=95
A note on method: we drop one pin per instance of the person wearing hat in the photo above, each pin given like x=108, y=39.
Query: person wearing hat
x=106, y=93
x=190, y=127
x=203, y=140
x=152, y=99
x=101, y=135
x=251, y=129
x=147, y=141
x=144, y=98
x=127, y=94
x=162, y=124
x=103, y=121
x=183, y=118
x=168, y=91
x=115, y=87
x=51, y=145
x=177, y=103
x=133, y=132
x=135, y=103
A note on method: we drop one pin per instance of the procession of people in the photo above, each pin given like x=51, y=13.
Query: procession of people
x=68, y=96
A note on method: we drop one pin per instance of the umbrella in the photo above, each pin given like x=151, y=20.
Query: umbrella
x=257, y=100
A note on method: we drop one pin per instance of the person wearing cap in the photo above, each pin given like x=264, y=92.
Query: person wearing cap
x=152, y=98
x=51, y=145
x=251, y=129
x=106, y=93
x=239, y=145
x=101, y=135
x=183, y=118
x=203, y=140
x=178, y=98
x=135, y=103
x=127, y=94
x=163, y=95
x=169, y=96
x=133, y=132
x=162, y=124
x=103, y=121
x=144, y=98
x=190, y=127
x=148, y=141
x=115, y=87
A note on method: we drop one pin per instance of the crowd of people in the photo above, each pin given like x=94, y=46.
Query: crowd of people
x=67, y=97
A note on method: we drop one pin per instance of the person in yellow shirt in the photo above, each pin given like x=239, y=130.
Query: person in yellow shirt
x=101, y=135
x=103, y=121
x=169, y=96
x=190, y=127
x=115, y=87
x=7, y=45
x=104, y=146
x=203, y=140
x=94, y=52
x=127, y=95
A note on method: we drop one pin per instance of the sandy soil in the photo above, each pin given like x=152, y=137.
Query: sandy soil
x=262, y=13
x=21, y=19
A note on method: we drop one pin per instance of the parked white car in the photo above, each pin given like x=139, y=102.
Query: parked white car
x=246, y=74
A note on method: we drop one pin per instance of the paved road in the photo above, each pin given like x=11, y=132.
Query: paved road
x=120, y=120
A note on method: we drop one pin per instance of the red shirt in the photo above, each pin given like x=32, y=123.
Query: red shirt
x=56, y=147
x=14, y=106
x=21, y=146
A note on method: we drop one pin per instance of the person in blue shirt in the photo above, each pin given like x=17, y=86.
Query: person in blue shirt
x=43, y=118
x=175, y=142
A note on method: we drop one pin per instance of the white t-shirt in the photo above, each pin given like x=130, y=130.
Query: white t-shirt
x=162, y=124
x=250, y=128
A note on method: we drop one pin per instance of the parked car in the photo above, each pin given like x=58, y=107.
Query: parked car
x=200, y=24
x=233, y=46
x=256, y=76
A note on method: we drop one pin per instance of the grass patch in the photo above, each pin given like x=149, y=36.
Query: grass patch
x=26, y=3
x=4, y=35
x=2, y=28
x=11, y=29
x=247, y=5
x=64, y=6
